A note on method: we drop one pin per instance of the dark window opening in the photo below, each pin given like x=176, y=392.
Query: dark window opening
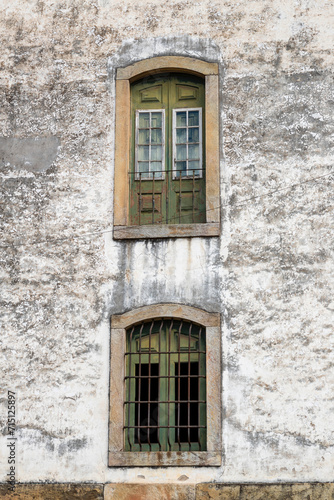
x=146, y=409
x=186, y=403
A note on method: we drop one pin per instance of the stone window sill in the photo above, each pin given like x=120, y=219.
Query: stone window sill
x=166, y=231
x=165, y=459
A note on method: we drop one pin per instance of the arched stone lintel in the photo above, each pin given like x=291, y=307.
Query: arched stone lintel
x=178, y=311
x=167, y=63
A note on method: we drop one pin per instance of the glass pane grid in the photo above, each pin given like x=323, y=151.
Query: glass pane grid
x=150, y=146
x=187, y=156
x=165, y=404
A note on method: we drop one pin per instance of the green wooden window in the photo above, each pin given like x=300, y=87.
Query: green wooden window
x=165, y=386
x=167, y=175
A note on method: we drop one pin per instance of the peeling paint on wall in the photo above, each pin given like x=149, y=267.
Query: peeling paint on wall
x=270, y=273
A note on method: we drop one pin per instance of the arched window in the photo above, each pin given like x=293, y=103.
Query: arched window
x=167, y=149
x=167, y=174
x=165, y=387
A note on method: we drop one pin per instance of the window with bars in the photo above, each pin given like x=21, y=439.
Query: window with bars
x=165, y=386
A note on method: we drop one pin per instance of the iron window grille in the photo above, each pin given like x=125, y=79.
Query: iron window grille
x=165, y=386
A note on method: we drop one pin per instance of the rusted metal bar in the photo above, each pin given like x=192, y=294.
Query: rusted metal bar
x=168, y=174
x=180, y=197
x=153, y=198
x=140, y=199
x=193, y=198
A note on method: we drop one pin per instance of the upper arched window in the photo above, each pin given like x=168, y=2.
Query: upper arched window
x=167, y=149
x=167, y=174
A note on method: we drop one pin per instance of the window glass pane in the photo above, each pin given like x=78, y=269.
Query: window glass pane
x=144, y=120
x=156, y=167
x=181, y=135
x=181, y=152
x=143, y=167
x=156, y=136
x=193, y=118
x=193, y=134
x=144, y=136
x=181, y=166
x=156, y=153
x=181, y=119
x=193, y=151
x=156, y=119
x=143, y=153
x=194, y=165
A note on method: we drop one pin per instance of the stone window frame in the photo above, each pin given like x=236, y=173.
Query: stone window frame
x=119, y=324
x=124, y=77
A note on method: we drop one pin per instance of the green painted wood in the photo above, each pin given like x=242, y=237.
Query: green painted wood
x=173, y=338
x=167, y=92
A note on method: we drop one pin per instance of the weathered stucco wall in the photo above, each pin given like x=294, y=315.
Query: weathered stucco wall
x=271, y=273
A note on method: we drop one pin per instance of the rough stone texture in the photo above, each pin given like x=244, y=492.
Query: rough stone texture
x=53, y=492
x=305, y=491
x=149, y=492
x=270, y=274
x=32, y=154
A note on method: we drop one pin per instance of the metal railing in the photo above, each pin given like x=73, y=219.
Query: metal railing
x=177, y=176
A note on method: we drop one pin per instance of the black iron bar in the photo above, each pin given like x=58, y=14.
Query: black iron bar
x=169, y=401
x=198, y=389
x=166, y=426
x=188, y=403
x=149, y=381
x=166, y=376
x=169, y=333
x=179, y=382
x=129, y=407
x=159, y=384
x=139, y=385
x=169, y=352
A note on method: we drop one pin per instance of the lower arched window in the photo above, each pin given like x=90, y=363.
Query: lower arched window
x=165, y=386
